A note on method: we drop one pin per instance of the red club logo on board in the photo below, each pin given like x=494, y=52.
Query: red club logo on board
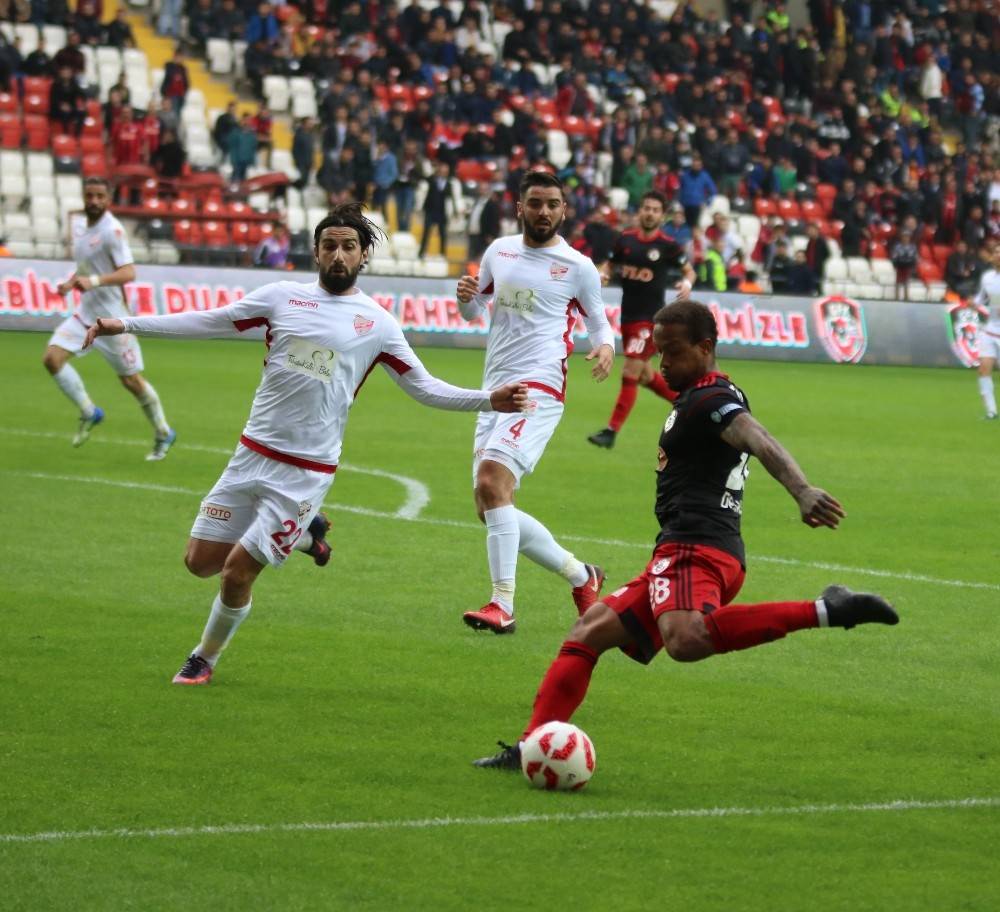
x=841, y=326
x=964, y=324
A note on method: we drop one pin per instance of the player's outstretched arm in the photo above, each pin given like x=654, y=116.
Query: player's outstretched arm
x=511, y=397
x=105, y=326
x=817, y=507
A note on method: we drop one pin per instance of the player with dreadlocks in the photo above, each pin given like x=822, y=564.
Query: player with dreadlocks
x=323, y=339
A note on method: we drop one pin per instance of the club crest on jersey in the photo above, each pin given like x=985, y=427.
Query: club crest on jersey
x=653, y=254
x=557, y=271
x=362, y=325
x=659, y=566
x=669, y=423
x=304, y=507
x=964, y=325
x=841, y=326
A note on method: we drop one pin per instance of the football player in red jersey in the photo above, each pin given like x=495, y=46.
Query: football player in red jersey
x=646, y=261
x=683, y=600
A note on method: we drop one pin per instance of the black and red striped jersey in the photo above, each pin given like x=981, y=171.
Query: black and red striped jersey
x=700, y=477
x=646, y=266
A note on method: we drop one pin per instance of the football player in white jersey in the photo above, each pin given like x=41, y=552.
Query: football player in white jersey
x=104, y=265
x=537, y=283
x=323, y=339
x=989, y=336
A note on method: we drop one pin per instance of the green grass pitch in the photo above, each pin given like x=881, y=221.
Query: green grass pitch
x=354, y=698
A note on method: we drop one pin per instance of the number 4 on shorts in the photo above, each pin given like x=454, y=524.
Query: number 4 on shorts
x=517, y=427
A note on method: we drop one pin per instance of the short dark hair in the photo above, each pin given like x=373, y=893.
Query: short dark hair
x=654, y=195
x=351, y=215
x=539, y=179
x=694, y=316
x=94, y=179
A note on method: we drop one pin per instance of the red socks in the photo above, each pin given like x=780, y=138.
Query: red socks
x=626, y=399
x=564, y=686
x=743, y=626
x=660, y=386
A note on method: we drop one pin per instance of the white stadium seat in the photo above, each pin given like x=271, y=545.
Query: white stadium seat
x=13, y=191
x=883, y=272
x=835, y=268
x=17, y=226
x=28, y=36
x=404, y=245
x=276, y=92
x=47, y=230
x=220, y=55
x=24, y=249
x=11, y=162
x=618, y=197
x=41, y=185
x=39, y=163
x=858, y=269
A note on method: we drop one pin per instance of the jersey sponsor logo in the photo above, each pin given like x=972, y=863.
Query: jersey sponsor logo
x=295, y=302
x=306, y=357
x=841, y=325
x=964, y=325
x=636, y=273
x=362, y=325
x=214, y=511
x=516, y=300
x=557, y=271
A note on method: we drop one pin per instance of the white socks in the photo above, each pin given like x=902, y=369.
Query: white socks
x=989, y=399
x=538, y=545
x=222, y=624
x=304, y=543
x=150, y=402
x=502, y=537
x=822, y=617
x=68, y=380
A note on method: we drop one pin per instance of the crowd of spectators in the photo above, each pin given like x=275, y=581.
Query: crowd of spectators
x=895, y=104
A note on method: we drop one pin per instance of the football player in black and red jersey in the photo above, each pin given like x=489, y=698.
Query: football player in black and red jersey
x=646, y=262
x=683, y=601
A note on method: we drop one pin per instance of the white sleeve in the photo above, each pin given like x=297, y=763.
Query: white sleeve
x=595, y=318
x=118, y=248
x=478, y=302
x=231, y=321
x=402, y=364
x=982, y=298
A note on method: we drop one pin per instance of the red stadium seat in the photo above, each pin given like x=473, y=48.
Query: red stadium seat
x=8, y=102
x=241, y=234
x=38, y=136
x=882, y=231
x=36, y=104
x=66, y=146
x=401, y=95
x=182, y=206
x=187, y=232
x=11, y=131
x=37, y=85
x=877, y=251
x=469, y=170
x=239, y=209
x=832, y=229
x=545, y=105
x=253, y=232
x=771, y=104
x=154, y=206
x=93, y=126
x=516, y=102
x=575, y=126
x=93, y=109
x=422, y=93
x=94, y=165
x=764, y=207
x=216, y=234
x=214, y=207
x=92, y=145
x=929, y=271
x=825, y=195
x=670, y=81
x=789, y=210
x=811, y=210
x=941, y=254
x=266, y=229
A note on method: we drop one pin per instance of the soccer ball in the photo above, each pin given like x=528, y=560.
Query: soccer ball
x=558, y=755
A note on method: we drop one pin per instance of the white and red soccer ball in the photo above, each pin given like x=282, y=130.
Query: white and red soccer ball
x=559, y=756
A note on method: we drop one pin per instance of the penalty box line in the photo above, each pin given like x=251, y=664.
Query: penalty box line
x=332, y=826
x=405, y=514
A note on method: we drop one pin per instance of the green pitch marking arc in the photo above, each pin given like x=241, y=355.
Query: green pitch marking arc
x=462, y=524
x=332, y=826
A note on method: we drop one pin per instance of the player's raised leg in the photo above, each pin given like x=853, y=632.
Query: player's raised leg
x=57, y=362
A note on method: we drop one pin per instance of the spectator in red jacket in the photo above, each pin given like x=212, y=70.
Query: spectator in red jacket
x=127, y=139
x=175, y=81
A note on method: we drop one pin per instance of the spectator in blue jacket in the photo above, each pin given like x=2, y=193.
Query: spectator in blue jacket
x=697, y=188
x=263, y=26
x=385, y=174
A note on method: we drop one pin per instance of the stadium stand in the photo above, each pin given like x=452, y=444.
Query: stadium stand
x=862, y=118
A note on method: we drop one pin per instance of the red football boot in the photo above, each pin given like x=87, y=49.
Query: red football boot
x=490, y=617
x=584, y=596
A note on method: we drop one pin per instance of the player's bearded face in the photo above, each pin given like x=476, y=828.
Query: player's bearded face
x=339, y=257
x=682, y=362
x=543, y=210
x=650, y=215
x=95, y=202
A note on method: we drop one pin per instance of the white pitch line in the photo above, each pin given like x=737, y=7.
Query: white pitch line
x=463, y=524
x=418, y=495
x=239, y=829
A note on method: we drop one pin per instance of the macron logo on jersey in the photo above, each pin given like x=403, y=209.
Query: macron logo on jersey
x=295, y=302
x=507, y=255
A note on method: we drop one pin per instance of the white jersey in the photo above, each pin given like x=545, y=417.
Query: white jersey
x=989, y=296
x=321, y=348
x=99, y=249
x=535, y=291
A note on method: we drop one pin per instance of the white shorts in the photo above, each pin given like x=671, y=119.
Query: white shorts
x=263, y=504
x=989, y=345
x=516, y=440
x=121, y=352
